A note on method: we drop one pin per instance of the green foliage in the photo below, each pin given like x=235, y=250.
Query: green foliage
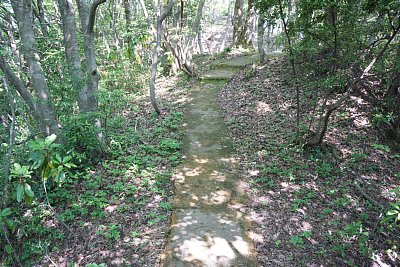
x=298, y=240
x=46, y=162
x=6, y=220
x=380, y=117
x=354, y=230
x=111, y=232
x=82, y=137
x=381, y=147
x=392, y=216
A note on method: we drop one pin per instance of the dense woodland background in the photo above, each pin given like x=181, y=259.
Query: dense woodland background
x=93, y=93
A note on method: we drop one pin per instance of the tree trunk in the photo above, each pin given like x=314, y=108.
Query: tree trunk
x=87, y=16
x=147, y=17
x=72, y=52
x=321, y=131
x=393, y=95
x=260, y=37
x=237, y=22
x=285, y=28
x=196, y=24
x=23, y=14
x=128, y=25
x=41, y=17
x=113, y=25
x=245, y=28
x=20, y=87
x=156, y=51
x=10, y=33
x=6, y=181
x=181, y=14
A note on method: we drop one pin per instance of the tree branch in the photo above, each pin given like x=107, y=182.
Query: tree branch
x=92, y=14
x=17, y=84
x=365, y=74
x=166, y=11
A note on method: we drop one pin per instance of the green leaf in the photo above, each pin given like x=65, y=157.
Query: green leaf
x=38, y=160
x=50, y=139
x=28, y=190
x=10, y=224
x=6, y=212
x=8, y=249
x=20, y=192
x=391, y=212
x=66, y=159
x=59, y=159
x=17, y=167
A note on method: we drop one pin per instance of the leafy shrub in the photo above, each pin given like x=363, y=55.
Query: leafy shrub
x=82, y=137
x=46, y=162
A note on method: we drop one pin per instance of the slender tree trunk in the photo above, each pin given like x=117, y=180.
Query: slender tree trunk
x=393, y=95
x=114, y=25
x=41, y=17
x=228, y=23
x=72, y=52
x=20, y=87
x=156, y=51
x=23, y=14
x=196, y=24
x=10, y=33
x=270, y=30
x=243, y=34
x=176, y=16
x=147, y=17
x=237, y=21
x=260, y=37
x=181, y=14
x=128, y=25
x=11, y=101
x=87, y=16
x=319, y=137
x=293, y=68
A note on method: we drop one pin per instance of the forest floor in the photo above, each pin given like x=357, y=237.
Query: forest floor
x=321, y=206
x=116, y=212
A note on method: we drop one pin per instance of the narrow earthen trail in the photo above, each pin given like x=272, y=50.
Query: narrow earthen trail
x=209, y=227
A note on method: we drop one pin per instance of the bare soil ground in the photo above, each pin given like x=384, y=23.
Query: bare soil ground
x=321, y=206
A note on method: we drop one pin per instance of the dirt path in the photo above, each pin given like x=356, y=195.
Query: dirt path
x=208, y=225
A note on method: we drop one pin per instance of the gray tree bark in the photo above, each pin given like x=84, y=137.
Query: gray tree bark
x=156, y=51
x=20, y=87
x=260, y=37
x=41, y=17
x=87, y=16
x=247, y=29
x=128, y=26
x=196, y=24
x=24, y=16
x=237, y=21
x=72, y=52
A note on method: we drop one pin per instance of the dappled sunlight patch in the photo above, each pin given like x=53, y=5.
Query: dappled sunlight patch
x=242, y=246
x=201, y=161
x=229, y=159
x=110, y=208
x=209, y=252
x=361, y=122
x=220, y=196
x=218, y=176
x=263, y=108
x=192, y=172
